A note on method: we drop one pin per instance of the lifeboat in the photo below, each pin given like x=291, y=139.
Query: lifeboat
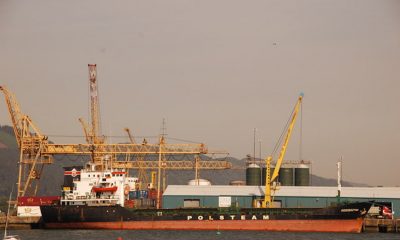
x=104, y=189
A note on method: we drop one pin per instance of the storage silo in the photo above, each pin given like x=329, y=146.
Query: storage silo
x=199, y=182
x=286, y=177
x=302, y=175
x=253, y=175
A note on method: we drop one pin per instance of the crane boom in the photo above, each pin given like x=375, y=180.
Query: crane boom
x=85, y=130
x=131, y=139
x=30, y=142
x=18, y=119
x=269, y=179
x=287, y=138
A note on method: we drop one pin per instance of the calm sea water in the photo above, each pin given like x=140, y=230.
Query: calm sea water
x=190, y=235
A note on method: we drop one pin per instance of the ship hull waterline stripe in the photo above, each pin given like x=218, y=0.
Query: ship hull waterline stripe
x=347, y=225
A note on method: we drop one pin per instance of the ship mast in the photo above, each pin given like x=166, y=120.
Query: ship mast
x=339, y=178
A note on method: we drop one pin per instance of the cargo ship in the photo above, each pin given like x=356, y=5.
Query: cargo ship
x=106, y=200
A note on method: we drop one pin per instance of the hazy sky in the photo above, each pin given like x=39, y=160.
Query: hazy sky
x=215, y=70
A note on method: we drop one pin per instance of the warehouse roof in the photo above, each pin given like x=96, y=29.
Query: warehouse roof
x=294, y=191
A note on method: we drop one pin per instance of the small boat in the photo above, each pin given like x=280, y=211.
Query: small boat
x=9, y=237
x=105, y=189
x=12, y=237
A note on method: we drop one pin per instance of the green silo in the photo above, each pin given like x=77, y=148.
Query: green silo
x=253, y=175
x=286, y=175
x=302, y=175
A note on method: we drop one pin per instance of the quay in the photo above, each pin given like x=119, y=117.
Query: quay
x=15, y=222
x=381, y=225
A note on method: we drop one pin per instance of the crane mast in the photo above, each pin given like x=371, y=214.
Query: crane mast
x=267, y=202
x=94, y=105
x=100, y=160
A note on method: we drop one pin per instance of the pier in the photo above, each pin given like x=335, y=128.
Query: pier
x=381, y=225
x=15, y=222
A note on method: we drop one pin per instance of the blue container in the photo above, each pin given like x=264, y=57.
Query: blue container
x=134, y=194
x=144, y=193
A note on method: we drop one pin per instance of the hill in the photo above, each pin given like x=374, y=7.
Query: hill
x=7, y=137
x=52, y=176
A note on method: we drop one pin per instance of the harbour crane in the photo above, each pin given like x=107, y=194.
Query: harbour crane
x=142, y=175
x=36, y=151
x=31, y=143
x=268, y=200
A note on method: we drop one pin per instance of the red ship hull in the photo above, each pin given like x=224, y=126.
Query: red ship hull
x=326, y=225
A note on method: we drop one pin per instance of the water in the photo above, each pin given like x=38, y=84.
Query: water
x=191, y=235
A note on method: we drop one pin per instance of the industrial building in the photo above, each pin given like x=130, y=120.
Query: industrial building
x=181, y=196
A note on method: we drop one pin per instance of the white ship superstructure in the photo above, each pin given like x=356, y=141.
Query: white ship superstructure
x=90, y=187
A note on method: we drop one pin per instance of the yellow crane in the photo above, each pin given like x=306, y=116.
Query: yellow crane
x=268, y=201
x=31, y=142
x=142, y=175
x=85, y=129
x=36, y=151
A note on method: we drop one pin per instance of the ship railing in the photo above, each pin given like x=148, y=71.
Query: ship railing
x=91, y=200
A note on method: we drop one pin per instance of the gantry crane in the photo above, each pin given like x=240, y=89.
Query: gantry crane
x=267, y=202
x=36, y=151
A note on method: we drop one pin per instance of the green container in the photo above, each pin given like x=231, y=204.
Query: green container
x=253, y=175
x=302, y=175
x=286, y=176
